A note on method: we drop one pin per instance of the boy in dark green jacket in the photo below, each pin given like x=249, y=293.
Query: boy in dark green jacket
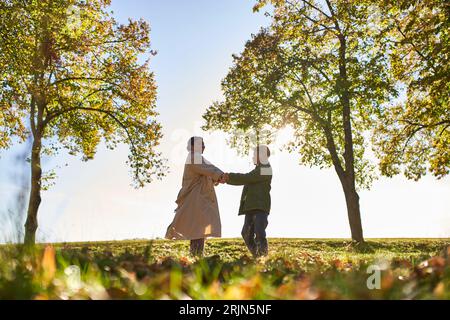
x=255, y=200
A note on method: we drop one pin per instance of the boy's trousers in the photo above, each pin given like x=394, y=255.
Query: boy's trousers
x=254, y=232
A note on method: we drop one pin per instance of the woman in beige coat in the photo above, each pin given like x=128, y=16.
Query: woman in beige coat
x=197, y=214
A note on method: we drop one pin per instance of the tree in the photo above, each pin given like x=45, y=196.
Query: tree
x=72, y=77
x=321, y=69
x=414, y=134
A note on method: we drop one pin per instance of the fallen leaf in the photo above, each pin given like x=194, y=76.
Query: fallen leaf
x=48, y=264
x=439, y=290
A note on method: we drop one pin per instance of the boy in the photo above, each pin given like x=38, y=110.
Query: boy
x=255, y=200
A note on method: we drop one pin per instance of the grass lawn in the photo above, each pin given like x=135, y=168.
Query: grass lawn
x=294, y=269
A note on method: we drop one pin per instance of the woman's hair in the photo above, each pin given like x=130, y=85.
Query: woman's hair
x=193, y=142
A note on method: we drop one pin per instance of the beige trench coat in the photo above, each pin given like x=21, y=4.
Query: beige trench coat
x=197, y=214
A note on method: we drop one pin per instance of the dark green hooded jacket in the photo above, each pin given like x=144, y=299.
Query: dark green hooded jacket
x=256, y=192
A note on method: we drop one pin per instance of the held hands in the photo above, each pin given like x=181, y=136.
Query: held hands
x=223, y=178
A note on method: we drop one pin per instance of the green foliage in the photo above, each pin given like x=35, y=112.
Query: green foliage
x=72, y=75
x=294, y=269
x=414, y=135
x=306, y=70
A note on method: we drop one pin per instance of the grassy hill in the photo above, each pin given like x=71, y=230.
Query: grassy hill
x=294, y=269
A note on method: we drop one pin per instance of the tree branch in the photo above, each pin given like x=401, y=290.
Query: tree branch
x=333, y=14
x=108, y=113
x=311, y=19
x=423, y=126
x=82, y=79
x=33, y=114
x=425, y=58
x=51, y=115
x=331, y=146
x=317, y=9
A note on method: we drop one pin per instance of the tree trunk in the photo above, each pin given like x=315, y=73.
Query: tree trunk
x=348, y=178
x=353, y=210
x=31, y=223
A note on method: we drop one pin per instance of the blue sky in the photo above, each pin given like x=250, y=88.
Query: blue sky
x=195, y=40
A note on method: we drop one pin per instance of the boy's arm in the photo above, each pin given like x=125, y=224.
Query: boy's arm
x=254, y=176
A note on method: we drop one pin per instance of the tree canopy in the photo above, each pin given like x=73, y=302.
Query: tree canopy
x=413, y=135
x=288, y=74
x=70, y=70
x=72, y=76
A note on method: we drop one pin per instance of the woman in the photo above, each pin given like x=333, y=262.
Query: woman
x=197, y=214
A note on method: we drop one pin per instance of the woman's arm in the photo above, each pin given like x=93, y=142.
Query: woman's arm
x=206, y=169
